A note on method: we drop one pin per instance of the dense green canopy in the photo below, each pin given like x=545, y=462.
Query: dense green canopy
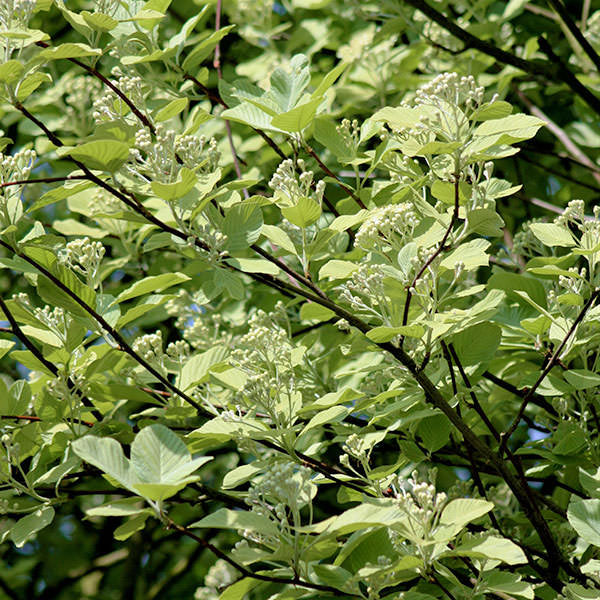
x=299, y=299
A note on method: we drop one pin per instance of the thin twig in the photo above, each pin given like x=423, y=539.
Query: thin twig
x=559, y=7
x=16, y=329
x=551, y=363
x=295, y=581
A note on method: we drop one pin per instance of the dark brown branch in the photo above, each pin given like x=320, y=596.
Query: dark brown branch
x=559, y=7
x=476, y=405
x=94, y=72
x=329, y=172
x=509, y=387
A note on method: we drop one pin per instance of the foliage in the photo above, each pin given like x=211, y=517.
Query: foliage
x=300, y=299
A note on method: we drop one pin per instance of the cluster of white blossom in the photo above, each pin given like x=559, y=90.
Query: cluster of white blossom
x=150, y=348
x=84, y=257
x=525, y=243
x=387, y=226
x=15, y=14
x=364, y=291
x=350, y=133
x=289, y=187
x=219, y=576
x=266, y=355
x=451, y=88
x=16, y=167
x=178, y=351
x=13, y=169
x=423, y=508
x=110, y=107
x=55, y=319
x=161, y=160
x=574, y=283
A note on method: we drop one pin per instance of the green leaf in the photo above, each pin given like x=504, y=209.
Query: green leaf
x=493, y=548
x=31, y=83
x=151, y=284
x=471, y=254
x=186, y=180
x=28, y=526
x=131, y=526
x=5, y=346
x=288, y=87
x=254, y=265
x=552, y=234
x=195, y=370
x=508, y=130
x=385, y=334
x=204, y=48
x=172, y=109
x=298, y=117
x=99, y=21
x=225, y=518
x=159, y=456
x=103, y=155
x=278, y=237
x=304, y=213
x=337, y=269
x=584, y=517
x=311, y=311
x=242, y=225
x=11, y=71
x=485, y=221
x=125, y=507
x=68, y=50
x=582, y=379
x=107, y=455
x=239, y=589
x=492, y=110
x=464, y=510
x=477, y=344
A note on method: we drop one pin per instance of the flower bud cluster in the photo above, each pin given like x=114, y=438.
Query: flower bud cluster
x=219, y=576
x=525, y=243
x=150, y=348
x=178, y=351
x=576, y=283
x=349, y=131
x=79, y=92
x=264, y=354
x=573, y=214
x=420, y=502
x=16, y=167
x=450, y=88
x=15, y=14
x=289, y=187
x=216, y=242
x=355, y=447
x=84, y=257
x=390, y=224
x=284, y=483
x=55, y=319
x=364, y=291
x=110, y=107
x=162, y=159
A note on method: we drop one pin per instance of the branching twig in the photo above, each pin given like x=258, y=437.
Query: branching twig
x=551, y=363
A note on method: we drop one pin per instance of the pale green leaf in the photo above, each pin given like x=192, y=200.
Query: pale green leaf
x=584, y=517
x=552, y=234
x=151, y=284
x=26, y=527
